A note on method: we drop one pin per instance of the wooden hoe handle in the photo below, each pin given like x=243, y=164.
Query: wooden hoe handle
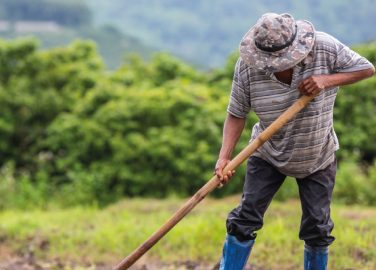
x=214, y=182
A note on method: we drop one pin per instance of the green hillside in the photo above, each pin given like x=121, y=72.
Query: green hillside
x=202, y=33
x=56, y=23
x=205, y=32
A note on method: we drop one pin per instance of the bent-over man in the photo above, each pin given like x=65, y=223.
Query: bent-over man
x=280, y=60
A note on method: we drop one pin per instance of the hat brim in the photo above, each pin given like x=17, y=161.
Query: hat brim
x=283, y=59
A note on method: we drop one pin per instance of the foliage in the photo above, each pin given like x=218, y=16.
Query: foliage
x=368, y=50
x=35, y=88
x=139, y=141
x=354, y=119
x=74, y=134
x=354, y=114
x=105, y=236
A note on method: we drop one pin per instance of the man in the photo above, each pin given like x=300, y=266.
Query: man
x=280, y=60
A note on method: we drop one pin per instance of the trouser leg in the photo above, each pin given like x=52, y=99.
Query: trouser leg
x=262, y=181
x=316, y=225
x=315, y=193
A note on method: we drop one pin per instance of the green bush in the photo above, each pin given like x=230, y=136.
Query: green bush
x=143, y=142
x=35, y=87
x=355, y=184
x=19, y=191
x=350, y=183
x=354, y=120
x=369, y=190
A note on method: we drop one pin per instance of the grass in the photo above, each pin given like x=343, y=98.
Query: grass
x=91, y=235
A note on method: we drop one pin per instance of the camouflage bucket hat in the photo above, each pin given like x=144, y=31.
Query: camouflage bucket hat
x=277, y=42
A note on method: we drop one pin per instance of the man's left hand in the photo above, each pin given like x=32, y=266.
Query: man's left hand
x=313, y=85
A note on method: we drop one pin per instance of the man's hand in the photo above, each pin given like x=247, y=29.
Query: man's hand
x=232, y=130
x=219, y=166
x=313, y=85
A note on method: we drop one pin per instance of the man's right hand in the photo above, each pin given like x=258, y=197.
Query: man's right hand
x=219, y=166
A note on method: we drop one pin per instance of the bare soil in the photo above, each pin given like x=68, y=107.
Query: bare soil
x=25, y=263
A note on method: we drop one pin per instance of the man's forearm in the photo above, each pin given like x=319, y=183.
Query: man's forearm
x=339, y=79
x=232, y=130
x=316, y=83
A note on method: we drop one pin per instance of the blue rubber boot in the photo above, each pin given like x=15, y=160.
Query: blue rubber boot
x=235, y=253
x=315, y=258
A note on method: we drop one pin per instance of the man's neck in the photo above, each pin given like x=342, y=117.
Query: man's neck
x=284, y=76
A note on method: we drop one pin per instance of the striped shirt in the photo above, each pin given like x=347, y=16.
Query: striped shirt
x=307, y=142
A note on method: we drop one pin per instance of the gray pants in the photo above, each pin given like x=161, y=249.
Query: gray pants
x=262, y=181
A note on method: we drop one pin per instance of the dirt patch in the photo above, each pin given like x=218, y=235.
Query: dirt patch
x=359, y=215
x=21, y=263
